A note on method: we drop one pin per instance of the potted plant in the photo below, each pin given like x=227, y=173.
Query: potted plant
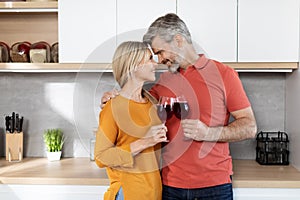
x=54, y=141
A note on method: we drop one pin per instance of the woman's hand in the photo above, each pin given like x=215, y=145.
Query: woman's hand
x=155, y=135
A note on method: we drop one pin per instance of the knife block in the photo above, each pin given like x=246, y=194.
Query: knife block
x=14, y=146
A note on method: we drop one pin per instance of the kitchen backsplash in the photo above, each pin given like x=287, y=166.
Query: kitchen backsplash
x=70, y=101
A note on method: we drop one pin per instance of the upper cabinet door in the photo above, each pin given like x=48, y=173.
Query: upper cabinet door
x=213, y=26
x=268, y=31
x=135, y=16
x=87, y=31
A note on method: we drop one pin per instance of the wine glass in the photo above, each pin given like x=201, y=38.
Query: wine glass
x=161, y=111
x=181, y=107
x=181, y=110
x=164, y=108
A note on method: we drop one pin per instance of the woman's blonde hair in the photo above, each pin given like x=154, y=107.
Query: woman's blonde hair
x=128, y=56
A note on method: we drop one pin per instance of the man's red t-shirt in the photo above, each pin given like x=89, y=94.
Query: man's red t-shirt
x=212, y=90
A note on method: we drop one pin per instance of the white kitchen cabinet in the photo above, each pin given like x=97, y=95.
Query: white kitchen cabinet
x=213, y=26
x=266, y=193
x=87, y=31
x=77, y=192
x=225, y=30
x=50, y=192
x=135, y=16
x=268, y=31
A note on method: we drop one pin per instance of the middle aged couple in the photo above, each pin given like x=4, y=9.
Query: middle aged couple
x=131, y=138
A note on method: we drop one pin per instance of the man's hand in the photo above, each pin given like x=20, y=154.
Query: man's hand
x=194, y=129
x=107, y=96
x=242, y=127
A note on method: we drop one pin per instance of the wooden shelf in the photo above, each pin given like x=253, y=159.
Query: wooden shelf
x=60, y=67
x=22, y=6
x=28, y=21
x=29, y=4
x=264, y=66
x=106, y=67
x=54, y=67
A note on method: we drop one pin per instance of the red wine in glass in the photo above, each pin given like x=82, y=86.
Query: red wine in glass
x=169, y=111
x=161, y=112
x=181, y=108
x=164, y=108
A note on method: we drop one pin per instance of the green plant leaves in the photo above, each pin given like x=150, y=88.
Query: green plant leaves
x=53, y=139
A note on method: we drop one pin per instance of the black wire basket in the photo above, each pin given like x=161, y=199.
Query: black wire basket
x=272, y=148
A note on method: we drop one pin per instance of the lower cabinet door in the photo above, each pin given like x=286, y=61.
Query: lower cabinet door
x=266, y=194
x=51, y=192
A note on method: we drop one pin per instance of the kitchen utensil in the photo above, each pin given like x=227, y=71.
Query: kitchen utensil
x=13, y=123
x=7, y=127
x=21, y=124
x=17, y=123
x=14, y=137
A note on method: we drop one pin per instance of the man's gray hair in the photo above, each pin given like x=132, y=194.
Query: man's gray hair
x=166, y=27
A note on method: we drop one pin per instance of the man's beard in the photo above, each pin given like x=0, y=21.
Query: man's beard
x=172, y=66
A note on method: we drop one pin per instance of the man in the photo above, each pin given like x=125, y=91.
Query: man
x=201, y=167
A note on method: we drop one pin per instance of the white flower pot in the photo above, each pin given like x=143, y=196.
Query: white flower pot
x=53, y=156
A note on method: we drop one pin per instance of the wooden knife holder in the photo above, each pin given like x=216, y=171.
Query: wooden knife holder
x=14, y=146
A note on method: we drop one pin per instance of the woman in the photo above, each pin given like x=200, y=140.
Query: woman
x=129, y=133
